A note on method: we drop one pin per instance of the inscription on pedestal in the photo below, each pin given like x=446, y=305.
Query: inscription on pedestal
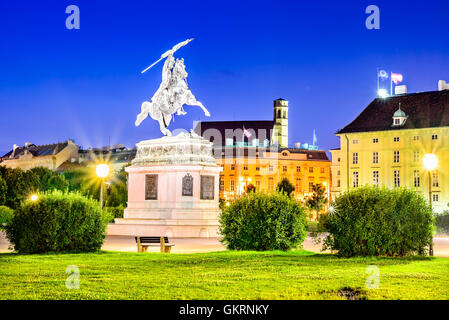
x=151, y=187
x=187, y=185
x=207, y=187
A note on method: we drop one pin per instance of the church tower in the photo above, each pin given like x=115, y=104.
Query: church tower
x=280, y=123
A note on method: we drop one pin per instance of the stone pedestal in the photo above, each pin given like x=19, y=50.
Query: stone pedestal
x=173, y=188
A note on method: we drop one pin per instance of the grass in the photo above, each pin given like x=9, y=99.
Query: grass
x=219, y=275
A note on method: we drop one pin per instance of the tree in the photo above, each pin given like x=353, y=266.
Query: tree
x=250, y=188
x=50, y=180
x=20, y=185
x=318, y=199
x=286, y=187
x=117, y=193
x=3, y=188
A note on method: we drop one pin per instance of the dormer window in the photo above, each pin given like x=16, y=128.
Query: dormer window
x=399, y=118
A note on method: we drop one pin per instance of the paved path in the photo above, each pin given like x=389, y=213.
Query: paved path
x=195, y=245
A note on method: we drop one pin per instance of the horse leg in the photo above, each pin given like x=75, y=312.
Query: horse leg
x=163, y=124
x=191, y=101
x=144, y=109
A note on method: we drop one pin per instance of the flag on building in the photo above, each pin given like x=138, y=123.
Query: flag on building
x=246, y=133
x=396, y=78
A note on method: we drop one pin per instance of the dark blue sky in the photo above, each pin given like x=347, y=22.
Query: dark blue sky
x=86, y=84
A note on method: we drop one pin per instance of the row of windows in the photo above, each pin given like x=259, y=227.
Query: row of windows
x=298, y=185
x=396, y=157
x=397, y=178
x=396, y=139
x=284, y=168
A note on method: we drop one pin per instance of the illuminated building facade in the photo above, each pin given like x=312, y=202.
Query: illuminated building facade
x=386, y=143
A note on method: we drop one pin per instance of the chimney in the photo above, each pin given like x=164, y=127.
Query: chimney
x=14, y=147
x=402, y=89
x=442, y=85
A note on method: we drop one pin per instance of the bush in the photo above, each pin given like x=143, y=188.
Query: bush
x=286, y=187
x=371, y=221
x=259, y=221
x=57, y=222
x=6, y=216
x=113, y=212
x=442, y=223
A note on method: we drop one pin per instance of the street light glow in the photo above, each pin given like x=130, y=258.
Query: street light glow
x=34, y=197
x=102, y=170
x=430, y=161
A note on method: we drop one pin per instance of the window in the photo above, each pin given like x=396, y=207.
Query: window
x=435, y=180
x=298, y=186
x=416, y=157
x=434, y=137
x=270, y=184
x=416, y=179
x=375, y=157
x=285, y=154
x=415, y=138
x=321, y=170
x=338, y=172
x=221, y=184
x=396, y=139
x=396, y=156
x=397, y=121
x=355, y=179
x=338, y=183
x=232, y=186
x=257, y=168
x=284, y=168
x=310, y=186
x=435, y=197
x=375, y=178
x=245, y=167
x=375, y=140
x=355, y=141
x=232, y=166
x=355, y=158
x=396, y=178
x=298, y=169
x=258, y=184
x=338, y=159
x=311, y=169
x=270, y=168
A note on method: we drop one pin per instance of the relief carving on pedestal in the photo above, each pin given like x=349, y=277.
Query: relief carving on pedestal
x=151, y=187
x=187, y=185
x=207, y=187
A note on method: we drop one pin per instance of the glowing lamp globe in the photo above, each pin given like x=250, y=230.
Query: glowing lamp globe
x=382, y=93
x=34, y=197
x=430, y=161
x=102, y=170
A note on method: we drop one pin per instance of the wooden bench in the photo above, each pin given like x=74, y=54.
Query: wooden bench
x=144, y=242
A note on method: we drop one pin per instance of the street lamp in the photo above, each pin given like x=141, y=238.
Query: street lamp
x=430, y=162
x=327, y=193
x=102, y=171
x=34, y=197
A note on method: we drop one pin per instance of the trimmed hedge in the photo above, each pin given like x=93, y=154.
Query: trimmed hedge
x=260, y=221
x=371, y=221
x=58, y=222
x=6, y=216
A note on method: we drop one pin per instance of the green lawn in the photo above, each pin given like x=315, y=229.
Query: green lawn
x=220, y=275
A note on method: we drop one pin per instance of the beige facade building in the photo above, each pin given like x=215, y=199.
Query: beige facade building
x=386, y=143
x=50, y=156
x=335, y=173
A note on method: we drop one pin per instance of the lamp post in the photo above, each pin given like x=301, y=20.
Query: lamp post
x=430, y=162
x=102, y=171
x=327, y=193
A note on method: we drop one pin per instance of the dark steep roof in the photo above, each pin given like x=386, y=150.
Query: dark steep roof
x=259, y=129
x=424, y=110
x=36, y=151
